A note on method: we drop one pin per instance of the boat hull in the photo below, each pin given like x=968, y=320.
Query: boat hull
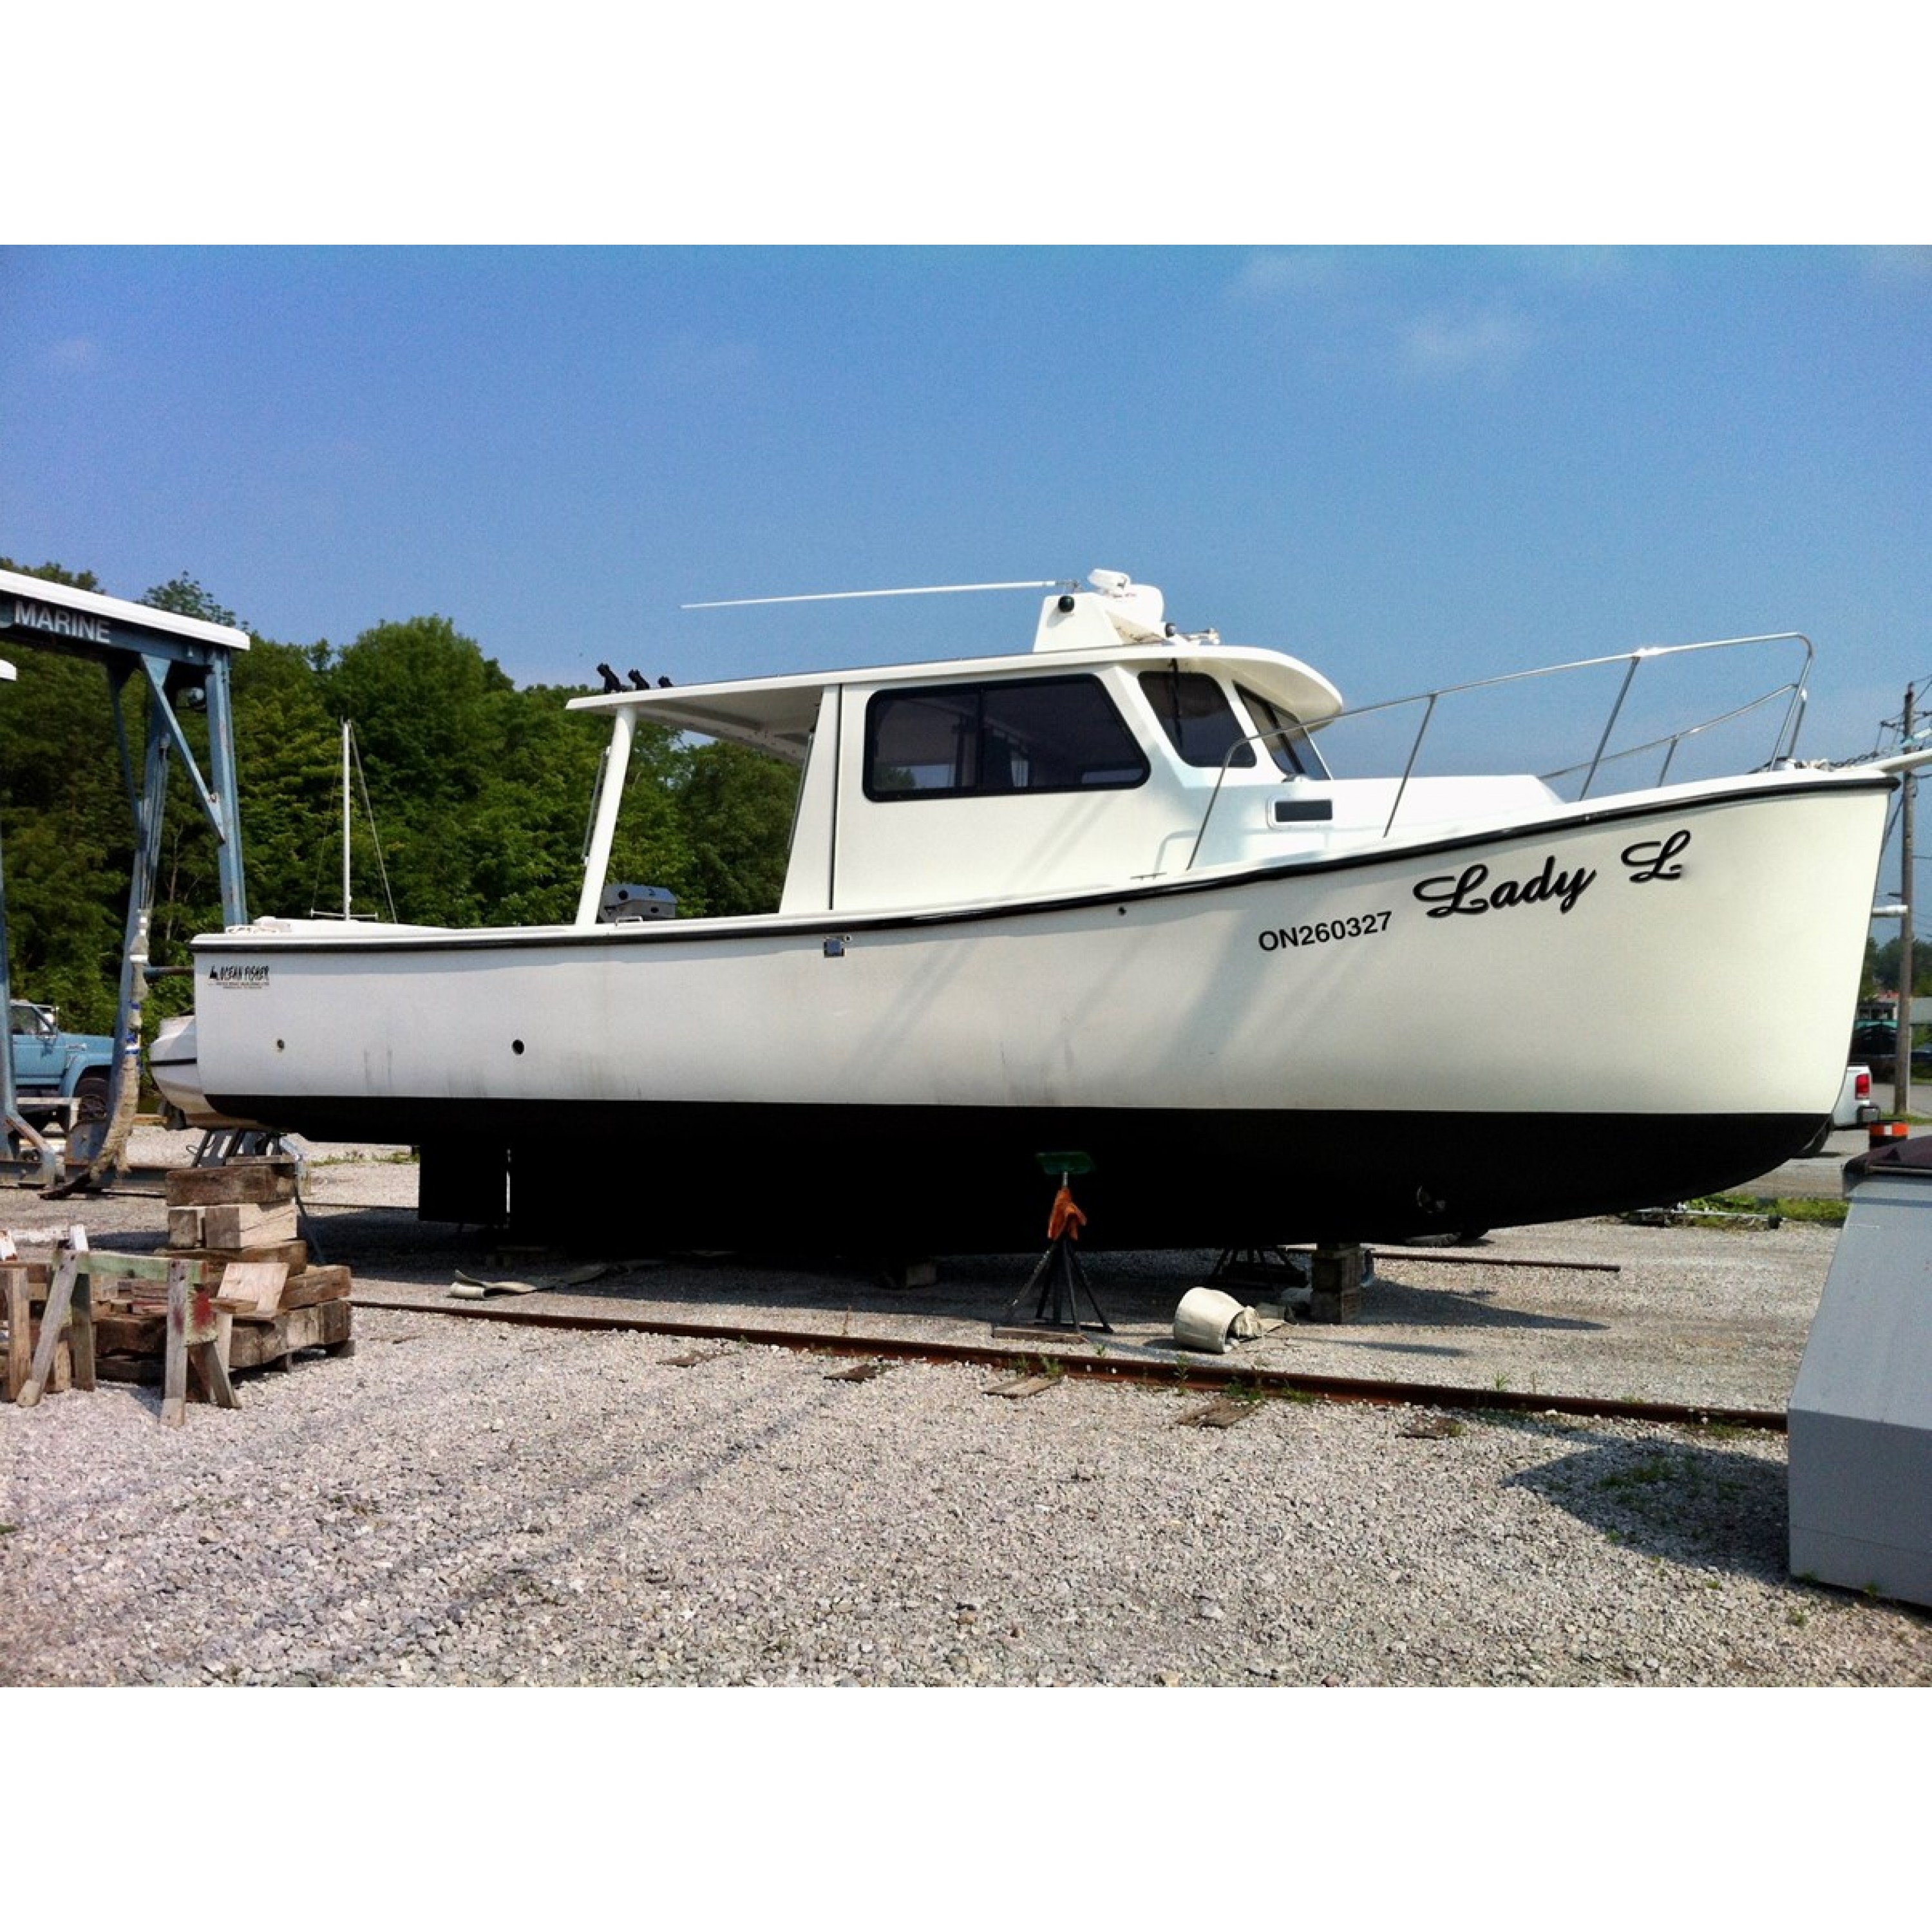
x=1605, y=1009
x=947, y=1180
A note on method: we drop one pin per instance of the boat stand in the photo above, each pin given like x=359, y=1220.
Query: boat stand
x=1062, y=1282
x=1278, y=1274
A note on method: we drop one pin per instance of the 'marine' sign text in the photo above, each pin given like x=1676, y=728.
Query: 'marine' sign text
x=31, y=616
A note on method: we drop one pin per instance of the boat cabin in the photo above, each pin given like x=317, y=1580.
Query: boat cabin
x=1118, y=751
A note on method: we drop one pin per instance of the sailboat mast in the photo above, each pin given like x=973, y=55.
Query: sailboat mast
x=348, y=909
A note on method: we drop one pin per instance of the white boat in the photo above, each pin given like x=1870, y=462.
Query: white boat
x=1106, y=899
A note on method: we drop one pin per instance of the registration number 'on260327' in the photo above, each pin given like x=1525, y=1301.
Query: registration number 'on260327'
x=1324, y=931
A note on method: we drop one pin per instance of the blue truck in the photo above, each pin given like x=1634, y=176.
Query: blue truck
x=57, y=1075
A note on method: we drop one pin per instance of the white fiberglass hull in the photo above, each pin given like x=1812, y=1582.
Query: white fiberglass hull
x=1616, y=1005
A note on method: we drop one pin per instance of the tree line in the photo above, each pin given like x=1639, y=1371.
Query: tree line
x=479, y=790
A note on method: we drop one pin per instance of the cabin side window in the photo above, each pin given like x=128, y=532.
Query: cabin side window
x=1199, y=721
x=981, y=740
x=1289, y=744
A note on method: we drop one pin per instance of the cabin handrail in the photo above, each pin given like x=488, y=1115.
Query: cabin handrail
x=1784, y=745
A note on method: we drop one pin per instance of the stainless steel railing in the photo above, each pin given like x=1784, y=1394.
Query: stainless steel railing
x=1791, y=693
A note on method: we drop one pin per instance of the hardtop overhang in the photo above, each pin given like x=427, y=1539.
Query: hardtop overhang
x=778, y=714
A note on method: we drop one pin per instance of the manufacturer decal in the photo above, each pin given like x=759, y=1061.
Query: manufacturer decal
x=243, y=976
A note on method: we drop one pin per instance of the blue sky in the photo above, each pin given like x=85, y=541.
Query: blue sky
x=1412, y=467
x=1409, y=465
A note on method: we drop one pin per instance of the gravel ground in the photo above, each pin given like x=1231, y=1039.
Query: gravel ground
x=463, y=1503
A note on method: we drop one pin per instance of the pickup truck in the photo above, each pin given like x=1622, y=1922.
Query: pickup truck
x=66, y=1075
x=1855, y=1109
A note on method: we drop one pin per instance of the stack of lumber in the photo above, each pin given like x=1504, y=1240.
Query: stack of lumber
x=239, y=1222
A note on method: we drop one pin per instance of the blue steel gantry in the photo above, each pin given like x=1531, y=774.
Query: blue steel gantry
x=168, y=658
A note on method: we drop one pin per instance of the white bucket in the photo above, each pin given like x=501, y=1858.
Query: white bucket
x=1207, y=1320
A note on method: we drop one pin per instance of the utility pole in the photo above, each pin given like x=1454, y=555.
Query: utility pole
x=1901, y=1088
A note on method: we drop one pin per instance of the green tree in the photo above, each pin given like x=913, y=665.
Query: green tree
x=734, y=807
x=185, y=597
x=480, y=791
x=67, y=827
x=53, y=573
x=1883, y=963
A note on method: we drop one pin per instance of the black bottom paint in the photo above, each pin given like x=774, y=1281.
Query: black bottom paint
x=943, y=1179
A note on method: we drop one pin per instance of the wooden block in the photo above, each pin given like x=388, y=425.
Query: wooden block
x=209, y=1361
x=20, y=1331
x=293, y=1255
x=60, y=1299
x=313, y=1286
x=136, y=1270
x=185, y=1228
x=142, y=1369
x=239, y=1182
x=174, y=1379
x=62, y=1379
x=80, y=1329
x=323, y=1326
x=249, y=1224
x=258, y=1284
x=128, y=1335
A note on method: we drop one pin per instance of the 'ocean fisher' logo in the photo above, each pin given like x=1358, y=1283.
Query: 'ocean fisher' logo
x=238, y=975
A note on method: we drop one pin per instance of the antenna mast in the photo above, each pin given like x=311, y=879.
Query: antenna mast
x=916, y=590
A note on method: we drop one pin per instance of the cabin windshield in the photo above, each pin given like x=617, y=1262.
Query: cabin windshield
x=1200, y=723
x=972, y=740
x=1289, y=744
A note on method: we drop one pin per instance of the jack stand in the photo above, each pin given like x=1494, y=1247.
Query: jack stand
x=1058, y=1275
x=220, y=1145
x=1062, y=1282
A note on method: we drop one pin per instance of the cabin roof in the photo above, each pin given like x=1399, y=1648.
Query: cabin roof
x=778, y=714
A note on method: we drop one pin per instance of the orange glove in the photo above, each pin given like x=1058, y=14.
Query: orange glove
x=1066, y=1218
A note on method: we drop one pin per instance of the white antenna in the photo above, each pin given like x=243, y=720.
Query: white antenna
x=919, y=590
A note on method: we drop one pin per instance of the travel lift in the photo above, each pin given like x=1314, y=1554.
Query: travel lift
x=179, y=661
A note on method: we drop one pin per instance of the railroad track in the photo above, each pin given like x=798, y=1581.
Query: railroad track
x=1187, y=1371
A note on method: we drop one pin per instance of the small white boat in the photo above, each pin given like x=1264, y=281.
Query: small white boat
x=1107, y=898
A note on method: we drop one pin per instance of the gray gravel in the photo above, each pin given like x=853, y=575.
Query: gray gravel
x=463, y=1503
